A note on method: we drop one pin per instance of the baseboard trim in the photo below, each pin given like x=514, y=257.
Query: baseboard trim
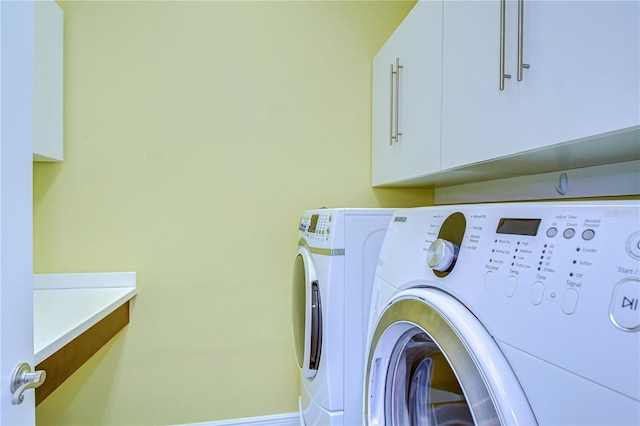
x=287, y=419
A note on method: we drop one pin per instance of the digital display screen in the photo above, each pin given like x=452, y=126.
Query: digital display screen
x=314, y=222
x=519, y=226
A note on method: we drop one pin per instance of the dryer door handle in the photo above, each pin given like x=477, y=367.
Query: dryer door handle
x=316, y=327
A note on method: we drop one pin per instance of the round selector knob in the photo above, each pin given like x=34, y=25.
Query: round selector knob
x=441, y=255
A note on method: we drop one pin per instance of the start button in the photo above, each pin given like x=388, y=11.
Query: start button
x=625, y=305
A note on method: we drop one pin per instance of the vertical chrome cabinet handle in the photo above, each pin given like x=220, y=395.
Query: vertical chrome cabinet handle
x=502, y=36
x=521, y=65
x=391, y=136
x=394, y=102
x=398, y=67
x=22, y=379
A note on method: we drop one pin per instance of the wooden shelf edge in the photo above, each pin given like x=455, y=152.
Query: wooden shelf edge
x=64, y=362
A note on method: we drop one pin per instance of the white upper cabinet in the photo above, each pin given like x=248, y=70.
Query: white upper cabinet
x=584, y=70
x=479, y=120
x=527, y=87
x=578, y=79
x=47, y=107
x=407, y=73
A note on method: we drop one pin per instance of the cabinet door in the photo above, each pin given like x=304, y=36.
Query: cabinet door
x=47, y=84
x=584, y=70
x=383, y=104
x=479, y=121
x=415, y=100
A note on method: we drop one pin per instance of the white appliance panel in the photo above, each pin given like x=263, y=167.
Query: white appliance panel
x=556, y=285
x=343, y=245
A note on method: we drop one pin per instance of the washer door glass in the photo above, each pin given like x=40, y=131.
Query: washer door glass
x=424, y=389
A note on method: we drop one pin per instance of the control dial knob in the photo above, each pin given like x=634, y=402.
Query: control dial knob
x=442, y=255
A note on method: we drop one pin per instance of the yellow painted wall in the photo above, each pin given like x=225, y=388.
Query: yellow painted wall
x=195, y=134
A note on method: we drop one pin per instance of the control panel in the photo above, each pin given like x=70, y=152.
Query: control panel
x=553, y=253
x=317, y=226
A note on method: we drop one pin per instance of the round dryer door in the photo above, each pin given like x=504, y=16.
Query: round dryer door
x=307, y=314
x=431, y=362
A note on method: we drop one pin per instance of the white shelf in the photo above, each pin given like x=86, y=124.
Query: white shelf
x=66, y=305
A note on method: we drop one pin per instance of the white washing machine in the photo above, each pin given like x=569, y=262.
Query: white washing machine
x=521, y=313
x=332, y=280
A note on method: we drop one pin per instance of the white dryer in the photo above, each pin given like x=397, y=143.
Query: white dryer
x=520, y=313
x=332, y=280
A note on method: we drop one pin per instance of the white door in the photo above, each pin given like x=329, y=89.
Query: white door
x=16, y=268
x=407, y=98
x=419, y=91
x=583, y=80
x=385, y=164
x=479, y=120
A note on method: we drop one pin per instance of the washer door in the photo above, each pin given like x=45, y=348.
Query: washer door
x=431, y=362
x=307, y=314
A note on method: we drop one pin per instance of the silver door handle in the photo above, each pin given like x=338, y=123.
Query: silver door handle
x=502, y=36
x=394, y=102
x=22, y=379
x=398, y=67
x=391, y=136
x=520, y=55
